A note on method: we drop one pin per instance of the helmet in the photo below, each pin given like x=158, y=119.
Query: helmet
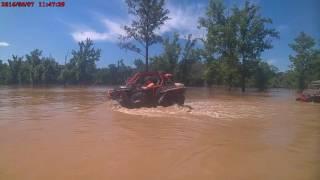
x=168, y=76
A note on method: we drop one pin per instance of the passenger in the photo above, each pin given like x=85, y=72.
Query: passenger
x=149, y=84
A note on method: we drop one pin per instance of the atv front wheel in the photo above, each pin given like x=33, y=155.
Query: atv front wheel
x=180, y=100
x=137, y=99
x=165, y=100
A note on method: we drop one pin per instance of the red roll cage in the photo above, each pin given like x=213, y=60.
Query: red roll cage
x=133, y=80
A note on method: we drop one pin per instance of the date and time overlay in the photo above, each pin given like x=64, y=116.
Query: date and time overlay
x=32, y=4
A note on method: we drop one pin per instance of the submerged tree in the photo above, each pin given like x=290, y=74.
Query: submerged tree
x=4, y=73
x=16, y=69
x=253, y=38
x=189, y=56
x=148, y=15
x=234, y=41
x=220, y=44
x=34, y=67
x=305, y=59
x=168, y=60
x=82, y=65
x=263, y=75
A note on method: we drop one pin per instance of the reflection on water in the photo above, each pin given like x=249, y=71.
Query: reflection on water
x=76, y=133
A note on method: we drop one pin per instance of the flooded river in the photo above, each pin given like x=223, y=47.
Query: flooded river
x=77, y=134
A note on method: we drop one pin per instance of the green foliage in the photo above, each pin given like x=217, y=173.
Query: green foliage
x=168, y=60
x=214, y=23
x=229, y=54
x=148, y=15
x=4, y=73
x=51, y=71
x=264, y=75
x=34, y=69
x=184, y=62
x=34, y=66
x=138, y=63
x=253, y=38
x=235, y=40
x=305, y=62
x=114, y=74
x=16, y=70
x=214, y=73
x=189, y=56
x=284, y=80
x=82, y=65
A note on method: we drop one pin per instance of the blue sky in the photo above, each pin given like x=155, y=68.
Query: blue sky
x=57, y=30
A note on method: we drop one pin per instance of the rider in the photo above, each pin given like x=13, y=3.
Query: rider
x=148, y=84
x=168, y=79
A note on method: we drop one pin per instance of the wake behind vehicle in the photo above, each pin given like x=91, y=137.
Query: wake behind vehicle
x=136, y=92
x=311, y=94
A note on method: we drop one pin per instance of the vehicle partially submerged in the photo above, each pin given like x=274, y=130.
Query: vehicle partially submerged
x=165, y=91
x=312, y=93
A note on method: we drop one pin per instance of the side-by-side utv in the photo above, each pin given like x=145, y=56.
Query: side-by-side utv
x=165, y=92
x=311, y=94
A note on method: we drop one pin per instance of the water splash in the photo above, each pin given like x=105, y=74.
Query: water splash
x=197, y=109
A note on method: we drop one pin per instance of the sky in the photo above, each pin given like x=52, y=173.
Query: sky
x=57, y=30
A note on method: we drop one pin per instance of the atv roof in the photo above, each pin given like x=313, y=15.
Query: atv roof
x=315, y=82
x=139, y=74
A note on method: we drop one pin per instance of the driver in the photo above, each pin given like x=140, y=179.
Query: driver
x=168, y=79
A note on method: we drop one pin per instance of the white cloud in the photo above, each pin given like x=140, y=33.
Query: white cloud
x=183, y=20
x=4, y=44
x=91, y=34
x=111, y=33
x=113, y=27
x=282, y=27
x=272, y=61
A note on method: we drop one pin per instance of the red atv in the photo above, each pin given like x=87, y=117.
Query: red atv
x=136, y=92
x=311, y=94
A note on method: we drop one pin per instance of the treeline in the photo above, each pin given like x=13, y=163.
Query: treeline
x=229, y=54
x=35, y=69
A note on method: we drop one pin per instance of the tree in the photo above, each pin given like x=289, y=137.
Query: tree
x=51, y=71
x=219, y=44
x=82, y=65
x=149, y=16
x=302, y=62
x=4, y=73
x=263, y=75
x=33, y=66
x=253, y=38
x=189, y=56
x=172, y=52
x=138, y=63
x=169, y=59
x=316, y=66
x=124, y=72
x=15, y=68
x=213, y=23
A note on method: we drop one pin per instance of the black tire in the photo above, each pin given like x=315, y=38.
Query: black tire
x=165, y=100
x=180, y=100
x=137, y=99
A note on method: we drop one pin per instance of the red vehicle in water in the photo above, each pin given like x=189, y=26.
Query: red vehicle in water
x=311, y=94
x=149, y=89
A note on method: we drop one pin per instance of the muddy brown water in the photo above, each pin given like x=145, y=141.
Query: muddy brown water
x=76, y=133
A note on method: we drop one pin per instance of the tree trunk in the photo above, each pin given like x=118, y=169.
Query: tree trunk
x=243, y=75
x=147, y=56
x=243, y=83
x=243, y=80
